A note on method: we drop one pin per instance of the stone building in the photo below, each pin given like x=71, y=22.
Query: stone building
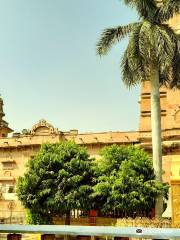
x=20, y=147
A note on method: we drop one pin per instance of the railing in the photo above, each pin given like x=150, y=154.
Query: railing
x=49, y=231
x=12, y=217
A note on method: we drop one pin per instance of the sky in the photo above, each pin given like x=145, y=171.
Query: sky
x=49, y=68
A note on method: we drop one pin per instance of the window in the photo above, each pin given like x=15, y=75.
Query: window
x=8, y=165
x=11, y=189
x=7, y=188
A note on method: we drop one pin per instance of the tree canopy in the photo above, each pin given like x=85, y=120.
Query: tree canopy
x=151, y=42
x=58, y=179
x=126, y=181
x=61, y=177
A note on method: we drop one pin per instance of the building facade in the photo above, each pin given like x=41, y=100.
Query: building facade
x=16, y=150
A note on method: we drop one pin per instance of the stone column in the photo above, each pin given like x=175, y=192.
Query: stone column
x=175, y=188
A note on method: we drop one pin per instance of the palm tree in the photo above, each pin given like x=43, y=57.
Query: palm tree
x=153, y=53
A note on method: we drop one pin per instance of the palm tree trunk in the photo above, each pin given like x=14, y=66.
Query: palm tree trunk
x=156, y=133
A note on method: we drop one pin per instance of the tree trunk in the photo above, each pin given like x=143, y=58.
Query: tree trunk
x=156, y=133
x=67, y=222
x=68, y=218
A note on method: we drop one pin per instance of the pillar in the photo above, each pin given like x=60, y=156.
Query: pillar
x=175, y=188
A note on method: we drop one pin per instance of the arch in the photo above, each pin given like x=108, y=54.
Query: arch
x=43, y=128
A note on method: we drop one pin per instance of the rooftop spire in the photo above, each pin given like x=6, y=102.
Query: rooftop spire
x=2, y=114
x=4, y=129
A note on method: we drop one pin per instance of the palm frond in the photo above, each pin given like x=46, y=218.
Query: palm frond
x=127, y=74
x=145, y=41
x=168, y=9
x=150, y=41
x=146, y=8
x=158, y=42
x=170, y=76
x=175, y=83
x=132, y=65
x=165, y=44
x=112, y=35
x=165, y=76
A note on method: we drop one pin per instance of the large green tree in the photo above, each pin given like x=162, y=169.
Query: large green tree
x=152, y=54
x=126, y=182
x=58, y=179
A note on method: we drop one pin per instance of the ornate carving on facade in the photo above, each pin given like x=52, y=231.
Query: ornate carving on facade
x=44, y=128
x=176, y=114
x=7, y=173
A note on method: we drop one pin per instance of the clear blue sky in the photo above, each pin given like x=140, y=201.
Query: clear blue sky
x=49, y=68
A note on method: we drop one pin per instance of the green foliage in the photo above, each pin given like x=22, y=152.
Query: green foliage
x=58, y=179
x=154, y=12
x=151, y=41
x=37, y=218
x=126, y=181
